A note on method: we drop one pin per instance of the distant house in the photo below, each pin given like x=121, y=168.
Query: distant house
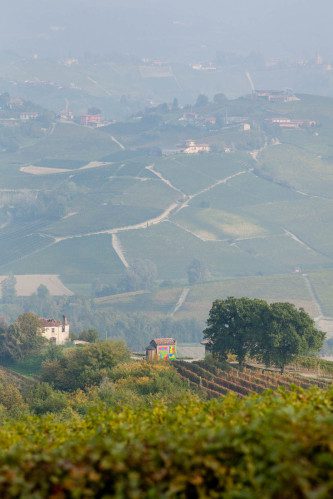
x=191, y=147
x=56, y=331
x=204, y=66
x=92, y=120
x=189, y=117
x=236, y=120
x=207, y=120
x=276, y=95
x=290, y=123
x=8, y=122
x=28, y=116
x=161, y=349
x=66, y=115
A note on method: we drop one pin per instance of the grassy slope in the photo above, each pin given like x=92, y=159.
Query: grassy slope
x=244, y=220
x=79, y=260
x=199, y=300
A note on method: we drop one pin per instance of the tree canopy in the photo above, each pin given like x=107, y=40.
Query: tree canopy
x=197, y=272
x=273, y=334
x=22, y=338
x=84, y=366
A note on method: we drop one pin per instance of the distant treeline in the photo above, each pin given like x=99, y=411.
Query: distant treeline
x=83, y=313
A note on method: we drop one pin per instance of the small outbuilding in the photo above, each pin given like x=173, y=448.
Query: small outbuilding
x=207, y=343
x=161, y=349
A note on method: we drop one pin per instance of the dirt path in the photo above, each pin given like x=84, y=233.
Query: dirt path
x=99, y=86
x=314, y=296
x=189, y=231
x=181, y=301
x=118, y=143
x=298, y=240
x=218, y=182
x=117, y=246
x=159, y=175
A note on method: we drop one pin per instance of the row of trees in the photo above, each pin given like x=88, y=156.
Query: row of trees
x=270, y=333
x=143, y=275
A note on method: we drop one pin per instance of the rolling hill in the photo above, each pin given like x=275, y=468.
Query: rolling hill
x=260, y=223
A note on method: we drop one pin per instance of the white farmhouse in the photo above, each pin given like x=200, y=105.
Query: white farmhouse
x=56, y=331
x=191, y=147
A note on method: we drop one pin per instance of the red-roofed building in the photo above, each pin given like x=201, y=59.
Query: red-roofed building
x=92, y=120
x=56, y=331
x=161, y=349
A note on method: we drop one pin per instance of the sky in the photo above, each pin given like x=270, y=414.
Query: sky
x=167, y=28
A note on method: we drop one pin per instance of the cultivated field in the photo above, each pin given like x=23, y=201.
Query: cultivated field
x=26, y=285
x=257, y=222
x=216, y=382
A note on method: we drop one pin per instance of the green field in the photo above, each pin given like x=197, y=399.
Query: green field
x=323, y=286
x=191, y=174
x=161, y=302
x=277, y=288
x=298, y=168
x=77, y=261
x=244, y=217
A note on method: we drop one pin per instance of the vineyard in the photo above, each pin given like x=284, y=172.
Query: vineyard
x=269, y=446
x=215, y=382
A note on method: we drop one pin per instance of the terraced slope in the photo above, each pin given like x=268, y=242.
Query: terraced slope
x=216, y=382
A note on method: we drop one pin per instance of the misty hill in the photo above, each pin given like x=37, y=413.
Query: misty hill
x=154, y=29
x=104, y=205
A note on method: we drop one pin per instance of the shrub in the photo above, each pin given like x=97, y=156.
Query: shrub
x=84, y=366
x=272, y=446
x=42, y=398
x=10, y=397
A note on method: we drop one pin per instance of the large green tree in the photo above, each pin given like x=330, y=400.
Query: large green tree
x=274, y=334
x=290, y=332
x=236, y=325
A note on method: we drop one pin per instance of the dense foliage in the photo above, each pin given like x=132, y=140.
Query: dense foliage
x=277, y=446
x=130, y=383
x=273, y=333
x=84, y=366
x=21, y=339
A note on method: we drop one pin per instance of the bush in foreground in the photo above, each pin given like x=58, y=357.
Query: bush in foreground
x=272, y=445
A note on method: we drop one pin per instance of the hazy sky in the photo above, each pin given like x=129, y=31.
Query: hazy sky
x=167, y=27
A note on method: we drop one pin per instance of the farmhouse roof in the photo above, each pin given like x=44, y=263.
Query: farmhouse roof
x=52, y=322
x=164, y=341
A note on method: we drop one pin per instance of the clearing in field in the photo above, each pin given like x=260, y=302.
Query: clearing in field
x=42, y=170
x=26, y=285
x=45, y=170
x=231, y=224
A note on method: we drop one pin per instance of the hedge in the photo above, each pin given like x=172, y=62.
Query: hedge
x=273, y=445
